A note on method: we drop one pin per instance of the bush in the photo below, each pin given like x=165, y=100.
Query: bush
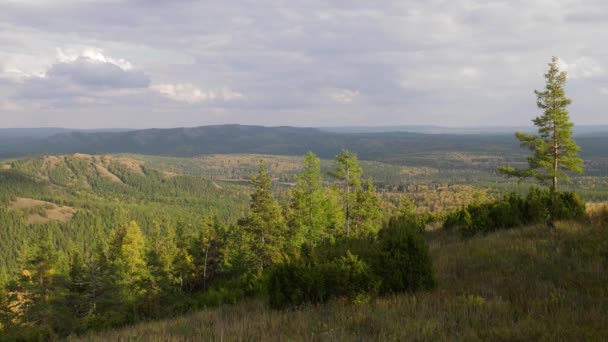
x=297, y=282
x=403, y=262
x=567, y=206
x=539, y=206
x=397, y=260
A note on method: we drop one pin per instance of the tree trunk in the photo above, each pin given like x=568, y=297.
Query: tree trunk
x=205, y=268
x=347, y=201
x=555, y=157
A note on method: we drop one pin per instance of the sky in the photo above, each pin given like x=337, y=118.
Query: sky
x=174, y=63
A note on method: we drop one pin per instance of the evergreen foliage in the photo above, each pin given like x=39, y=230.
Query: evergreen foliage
x=554, y=149
x=396, y=261
x=263, y=229
x=514, y=210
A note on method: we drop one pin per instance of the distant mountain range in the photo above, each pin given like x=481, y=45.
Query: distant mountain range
x=372, y=143
x=49, y=131
x=429, y=129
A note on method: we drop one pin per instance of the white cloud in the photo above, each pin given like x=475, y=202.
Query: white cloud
x=583, y=67
x=19, y=68
x=92, y=54
x=189, y=93
x=344, y=95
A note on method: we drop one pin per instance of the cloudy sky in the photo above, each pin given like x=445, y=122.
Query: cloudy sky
x=168, y=63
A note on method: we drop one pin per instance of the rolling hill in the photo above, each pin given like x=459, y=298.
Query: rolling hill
x=393, y=147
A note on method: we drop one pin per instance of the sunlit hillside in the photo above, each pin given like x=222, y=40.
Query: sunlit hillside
x=530, y=283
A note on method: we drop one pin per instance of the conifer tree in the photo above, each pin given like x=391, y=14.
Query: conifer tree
x=554, y=150
x=78, y=287
x=407, y=208
x=127, y=257
x=205, y=251
x=309, y=203
x=37, y=286
x=366, y=212
x=263, y=229
x=348, y=173
x=162, y=252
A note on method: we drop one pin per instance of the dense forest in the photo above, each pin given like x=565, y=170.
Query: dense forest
x=100, y=226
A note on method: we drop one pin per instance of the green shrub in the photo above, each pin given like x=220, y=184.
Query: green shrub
x=567, y=206
x=403, y=262
x=539, y=206
x=397, y=260
x=297, y=282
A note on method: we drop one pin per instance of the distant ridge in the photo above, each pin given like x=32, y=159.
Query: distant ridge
x=430, y=129
x=377, y=143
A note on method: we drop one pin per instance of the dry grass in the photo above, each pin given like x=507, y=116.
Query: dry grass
x=106, y=173
x=52, y=212
x=134, y=165
x=528, y=284
x=595, y=207
x=169, y=174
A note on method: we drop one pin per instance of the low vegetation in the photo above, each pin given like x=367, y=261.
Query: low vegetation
x=506, y=285
x=513, y=210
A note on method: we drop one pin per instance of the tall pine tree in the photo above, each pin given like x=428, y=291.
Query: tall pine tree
x=309, y=218
x=554, y=150
x=348, y=173
x=263, y=229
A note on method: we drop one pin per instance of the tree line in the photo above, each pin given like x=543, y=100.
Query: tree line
x=162, y=269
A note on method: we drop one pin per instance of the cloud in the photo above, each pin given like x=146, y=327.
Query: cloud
x=582, y=67
x=189, y=93
x=93, y=55
x=344, y=96
x=80, y=78
x=462, y=62
x=89, y=72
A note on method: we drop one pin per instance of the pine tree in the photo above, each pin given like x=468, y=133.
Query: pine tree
x=348, y=173
x=127, y=258
x=37, y=288
x=554, y=149
x=366, y=212
x=263, y=229
x=407, y=208
x=206, y=255
x=308, y=217
x=162, y=252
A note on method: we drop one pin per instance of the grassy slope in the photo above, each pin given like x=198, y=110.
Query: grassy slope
x=525, y=284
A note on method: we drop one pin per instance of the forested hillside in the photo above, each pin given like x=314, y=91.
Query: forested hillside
x=393, y=147
x=80, y=199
